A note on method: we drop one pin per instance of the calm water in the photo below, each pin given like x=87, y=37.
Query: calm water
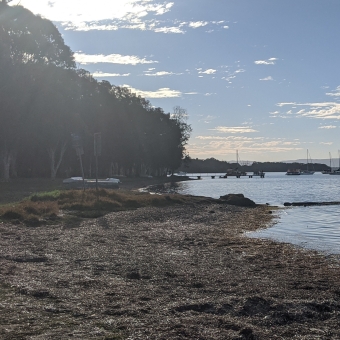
x=316, y=227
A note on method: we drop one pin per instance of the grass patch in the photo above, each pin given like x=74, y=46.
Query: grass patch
x=91, y=203
x=45, y=196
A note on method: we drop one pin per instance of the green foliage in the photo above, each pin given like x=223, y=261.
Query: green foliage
x=45, y=196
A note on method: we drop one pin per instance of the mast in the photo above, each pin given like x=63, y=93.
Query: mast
x=307, y=159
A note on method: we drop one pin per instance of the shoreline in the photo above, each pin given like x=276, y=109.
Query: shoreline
x=180, y=272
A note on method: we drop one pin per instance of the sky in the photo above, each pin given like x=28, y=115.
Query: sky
x=261, y=77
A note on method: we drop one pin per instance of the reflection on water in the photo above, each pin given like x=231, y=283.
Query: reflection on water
x=315, y=227
x=165, y=188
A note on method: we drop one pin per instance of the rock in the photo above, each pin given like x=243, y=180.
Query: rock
x=238, y=199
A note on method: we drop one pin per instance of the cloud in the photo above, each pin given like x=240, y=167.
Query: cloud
x=103, y=74
x=160, y=93
x=169, y=30
x=327, y=127
x=209, y=71
x=161, y=74
x=326, y=143
x=205, y=146
x=234, y=129
x=232, y=74
x=335, y=93
x=267, y=78
x=197, y=24
x=322, y=110
x=98, y=10
x=270, y=61
x=85, y=59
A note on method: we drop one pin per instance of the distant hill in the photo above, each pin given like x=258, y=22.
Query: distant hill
x=335, y=162
x=216, y=166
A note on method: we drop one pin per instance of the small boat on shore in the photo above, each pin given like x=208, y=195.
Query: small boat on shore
x=79, y=182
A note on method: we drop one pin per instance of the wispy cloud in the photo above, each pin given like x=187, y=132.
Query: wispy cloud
x=160, y=93
x=270, y=61
x=208, y=71
x=85, y=59
x=89, y=11
x=232, y=74
x=267, y=78
x=327, y=127
x=169, y=30
x=161, y=74
x=205, y=146
x=196, y=24
x=234, y=129
x=322, y=110
x=103, y=74
x=335, y=93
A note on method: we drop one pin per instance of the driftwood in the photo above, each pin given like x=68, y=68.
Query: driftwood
x=305, y=204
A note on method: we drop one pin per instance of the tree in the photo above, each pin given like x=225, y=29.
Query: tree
x=27, y=38
x=180, y=118
x=26, y=41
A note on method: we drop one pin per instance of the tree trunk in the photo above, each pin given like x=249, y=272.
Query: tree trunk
x=13, y=165
x=7, y=157
x=55, y=163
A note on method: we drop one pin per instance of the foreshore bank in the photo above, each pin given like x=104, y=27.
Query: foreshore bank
x=180, y=272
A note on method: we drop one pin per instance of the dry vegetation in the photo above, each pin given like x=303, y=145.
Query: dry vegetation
x=179, y=271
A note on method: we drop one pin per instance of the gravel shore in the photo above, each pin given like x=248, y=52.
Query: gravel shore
x=180, y=272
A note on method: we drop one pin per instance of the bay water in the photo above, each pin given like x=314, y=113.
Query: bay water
x=314, y=227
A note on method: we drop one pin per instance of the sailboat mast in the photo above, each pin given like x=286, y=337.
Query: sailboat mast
x=307, y=159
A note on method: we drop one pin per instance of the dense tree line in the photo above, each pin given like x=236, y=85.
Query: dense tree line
x=44, y=99
x=213, y=165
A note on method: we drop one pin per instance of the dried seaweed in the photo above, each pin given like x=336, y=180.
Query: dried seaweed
x=179, y=272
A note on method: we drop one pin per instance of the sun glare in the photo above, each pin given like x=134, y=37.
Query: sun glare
x=83, y=11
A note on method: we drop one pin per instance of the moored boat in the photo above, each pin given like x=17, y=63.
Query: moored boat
x=307, y=171
x=335, y=172
x=293, y=172
x=234, y=172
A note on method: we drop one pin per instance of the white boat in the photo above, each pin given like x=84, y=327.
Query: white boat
x=307, y=172
x=78, y=182
x=328, y=171
x=336, y=172
x=293, y=172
